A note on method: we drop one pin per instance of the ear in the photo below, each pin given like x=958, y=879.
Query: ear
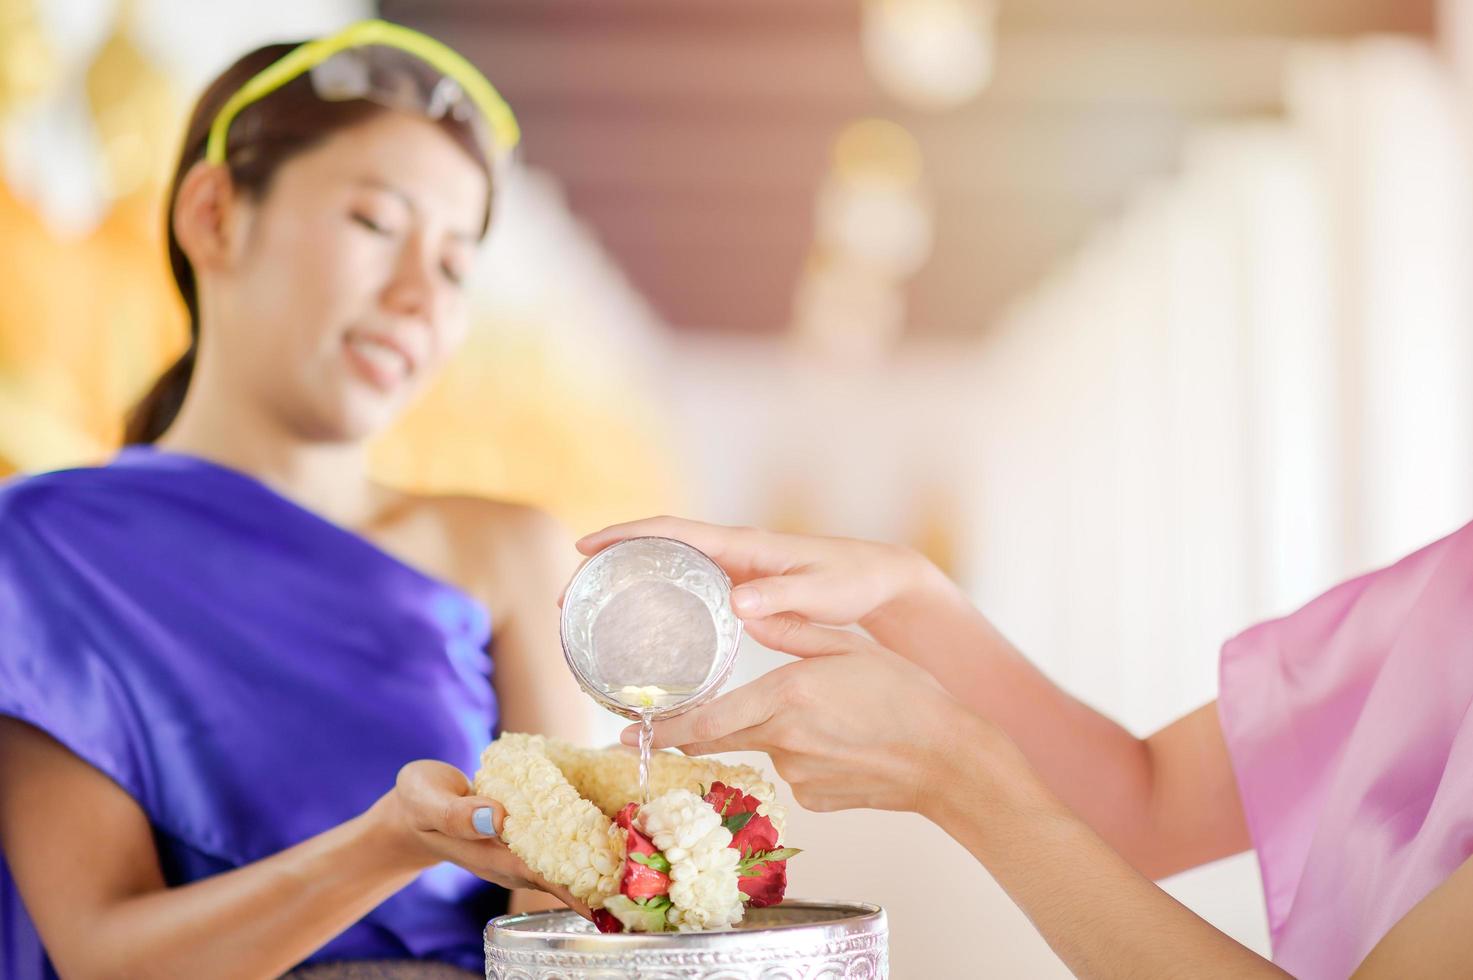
x=205, y=215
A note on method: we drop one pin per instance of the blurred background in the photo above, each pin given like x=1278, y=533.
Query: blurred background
x=1145, y=320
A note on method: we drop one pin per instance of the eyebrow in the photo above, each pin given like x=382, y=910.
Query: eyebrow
x=394, y=190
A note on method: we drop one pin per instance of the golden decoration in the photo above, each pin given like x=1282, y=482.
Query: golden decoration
x=28, y=63
x=133, y=111
x=85, y=324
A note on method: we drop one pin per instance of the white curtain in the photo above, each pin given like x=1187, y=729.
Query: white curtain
x=1258, y=382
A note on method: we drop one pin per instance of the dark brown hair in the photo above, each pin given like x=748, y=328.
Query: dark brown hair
x=266, y=135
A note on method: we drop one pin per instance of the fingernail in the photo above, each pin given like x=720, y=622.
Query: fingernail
x=745, y=600
x=630, y=735
x=484, y=821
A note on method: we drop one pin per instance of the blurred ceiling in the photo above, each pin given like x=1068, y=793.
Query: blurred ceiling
x=691, y=134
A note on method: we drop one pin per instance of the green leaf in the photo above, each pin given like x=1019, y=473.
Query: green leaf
x=737, y=821
x=651, y=916
x=750, y=865
x=656, y=861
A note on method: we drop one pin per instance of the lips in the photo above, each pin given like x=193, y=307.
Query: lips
x=380, y=359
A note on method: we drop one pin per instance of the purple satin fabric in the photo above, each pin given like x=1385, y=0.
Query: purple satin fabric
x=248, y=672
x=1350, y=725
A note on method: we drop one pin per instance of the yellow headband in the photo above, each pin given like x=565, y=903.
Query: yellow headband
x=303, y=58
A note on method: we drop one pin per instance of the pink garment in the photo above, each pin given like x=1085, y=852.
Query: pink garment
x=1351, y=734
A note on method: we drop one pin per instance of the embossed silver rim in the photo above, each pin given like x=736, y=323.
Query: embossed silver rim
x=540, y=932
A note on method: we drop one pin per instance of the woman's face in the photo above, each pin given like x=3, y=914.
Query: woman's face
x=345, y=294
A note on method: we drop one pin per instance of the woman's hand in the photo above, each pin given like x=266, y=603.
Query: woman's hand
x=432, y=816
x=851, y=724
x=838, y=581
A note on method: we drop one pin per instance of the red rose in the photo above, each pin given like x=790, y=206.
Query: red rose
x=749, y=832
x=640, y=879
x=756, y=834
x=626, y=816
x=729, y=801
x=763, y=882
x=766, y=884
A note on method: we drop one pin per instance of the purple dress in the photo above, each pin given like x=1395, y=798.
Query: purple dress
x=1350, y=725
x=248, y=672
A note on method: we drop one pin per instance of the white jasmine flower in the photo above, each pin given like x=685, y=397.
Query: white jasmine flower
x=560, y=801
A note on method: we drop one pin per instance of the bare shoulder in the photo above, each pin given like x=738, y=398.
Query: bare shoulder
x=495, y=548
x=490, y=521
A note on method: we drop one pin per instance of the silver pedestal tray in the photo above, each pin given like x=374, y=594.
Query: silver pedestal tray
x=798, y=940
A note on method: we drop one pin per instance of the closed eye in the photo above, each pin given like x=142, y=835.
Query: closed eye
x=372, y=225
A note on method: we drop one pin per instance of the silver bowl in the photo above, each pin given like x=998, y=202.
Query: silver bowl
x=798, y=940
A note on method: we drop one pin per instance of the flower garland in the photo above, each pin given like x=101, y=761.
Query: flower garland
x=707, y=845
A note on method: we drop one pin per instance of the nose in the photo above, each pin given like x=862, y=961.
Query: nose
x=411, y=289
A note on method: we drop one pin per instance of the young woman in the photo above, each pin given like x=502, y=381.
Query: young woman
x=223, y=651
x=1340, y=748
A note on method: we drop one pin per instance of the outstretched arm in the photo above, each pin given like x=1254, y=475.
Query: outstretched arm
x=82, y=853
x=1165, y=803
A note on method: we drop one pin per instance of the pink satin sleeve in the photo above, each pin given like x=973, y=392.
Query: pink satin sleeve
x=1348, y=724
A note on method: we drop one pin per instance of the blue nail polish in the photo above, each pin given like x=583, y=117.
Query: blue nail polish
x=484, y=822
